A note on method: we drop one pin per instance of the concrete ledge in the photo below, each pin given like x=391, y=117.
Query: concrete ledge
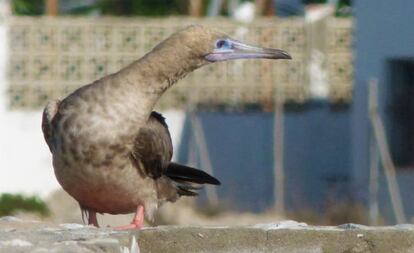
x=27, y=236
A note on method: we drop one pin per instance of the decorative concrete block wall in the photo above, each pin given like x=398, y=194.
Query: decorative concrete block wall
x=50, y=57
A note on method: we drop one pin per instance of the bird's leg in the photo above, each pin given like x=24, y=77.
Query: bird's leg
x=137, y=222
x=92, y=218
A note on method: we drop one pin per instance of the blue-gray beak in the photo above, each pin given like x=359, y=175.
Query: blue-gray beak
x=231, y=50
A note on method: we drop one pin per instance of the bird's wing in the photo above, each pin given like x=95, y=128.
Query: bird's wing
x=48, y=114
x=153, y=146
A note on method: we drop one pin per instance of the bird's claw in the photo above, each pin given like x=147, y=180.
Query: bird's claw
x=129, y=227
x=137, y=222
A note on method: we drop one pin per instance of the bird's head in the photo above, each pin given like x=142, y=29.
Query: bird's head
x=202, y=45
x=196, y=46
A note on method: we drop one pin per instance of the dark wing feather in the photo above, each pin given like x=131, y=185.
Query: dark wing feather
x=152, y=155
x=153, y=146
x=48, y=114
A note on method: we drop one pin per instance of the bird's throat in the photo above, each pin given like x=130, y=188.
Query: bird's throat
x=159, y=70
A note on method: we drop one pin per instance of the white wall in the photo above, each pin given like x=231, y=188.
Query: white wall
x=25, y=162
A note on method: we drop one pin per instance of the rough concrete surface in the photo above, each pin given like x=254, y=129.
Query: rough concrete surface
x=32, y=236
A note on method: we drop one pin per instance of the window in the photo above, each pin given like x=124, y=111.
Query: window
x=400, y=112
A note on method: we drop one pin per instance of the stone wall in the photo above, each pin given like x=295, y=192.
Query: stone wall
x=284, y=237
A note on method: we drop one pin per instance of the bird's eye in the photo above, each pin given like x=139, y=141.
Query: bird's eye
x=223, y=44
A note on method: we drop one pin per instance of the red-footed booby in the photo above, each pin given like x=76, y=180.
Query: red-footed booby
x=111, y=152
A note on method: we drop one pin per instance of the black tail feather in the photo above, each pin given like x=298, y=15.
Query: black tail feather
x=188, y=185
x=185, y=192
x=183, y=174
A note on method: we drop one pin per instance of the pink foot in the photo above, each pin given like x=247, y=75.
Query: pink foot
x=137, y=222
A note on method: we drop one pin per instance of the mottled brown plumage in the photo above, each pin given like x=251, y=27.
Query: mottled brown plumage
x=110, y=151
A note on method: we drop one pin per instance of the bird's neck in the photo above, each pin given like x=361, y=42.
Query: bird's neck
x=158, y=70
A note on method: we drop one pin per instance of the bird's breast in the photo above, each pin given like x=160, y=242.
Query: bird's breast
x=97, y=171
x=93, y=135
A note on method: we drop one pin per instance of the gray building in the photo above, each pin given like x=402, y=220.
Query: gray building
x=317, y=158
x=327, y=148
x=384, y=50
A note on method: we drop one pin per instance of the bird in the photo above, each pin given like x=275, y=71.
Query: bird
x=111, y=151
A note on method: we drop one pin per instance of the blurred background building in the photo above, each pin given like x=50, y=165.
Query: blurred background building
x=290, y=137
x=384, y=58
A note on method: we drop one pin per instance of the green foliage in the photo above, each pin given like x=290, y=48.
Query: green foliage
x=344, y=8
x=142, y=7
x=12, y=203
x=314, y=1
x=27, y=7
x=109, y=7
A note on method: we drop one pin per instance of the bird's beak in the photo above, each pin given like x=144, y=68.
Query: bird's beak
x=239, y=50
